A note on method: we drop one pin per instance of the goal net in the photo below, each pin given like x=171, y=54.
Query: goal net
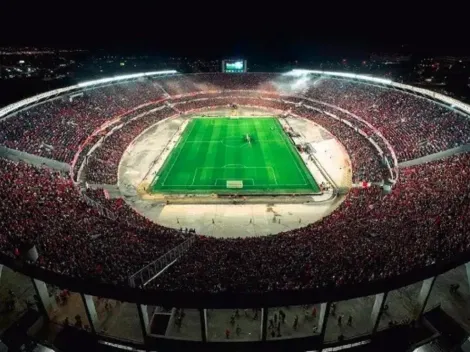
x=234, y=184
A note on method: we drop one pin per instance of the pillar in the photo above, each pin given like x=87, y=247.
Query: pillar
x=323, y=319
x=424, y=293
x=467, y=270
x=203, y=319
x=90, y=310
x=46, y=303
x=377, y=310
x=264, y=323
x=144, y=320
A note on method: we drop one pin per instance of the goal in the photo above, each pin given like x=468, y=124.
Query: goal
x=234, y=184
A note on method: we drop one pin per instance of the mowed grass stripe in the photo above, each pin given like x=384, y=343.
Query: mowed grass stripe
x=217, y=152
x=264, y=156
x=305, y=175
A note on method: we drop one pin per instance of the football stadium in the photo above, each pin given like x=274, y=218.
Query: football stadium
x=235, y=210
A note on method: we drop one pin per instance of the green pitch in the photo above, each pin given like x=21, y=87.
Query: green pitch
x=234, y=155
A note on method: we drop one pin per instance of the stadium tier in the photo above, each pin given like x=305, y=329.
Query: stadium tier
x=403, y=219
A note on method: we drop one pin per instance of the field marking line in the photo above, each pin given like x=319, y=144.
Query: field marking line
x=179, y=152
x=263, y=185
x=228, y=166
x=247, y=178
x=274, y=174
x=225, y=167
x=194, y=177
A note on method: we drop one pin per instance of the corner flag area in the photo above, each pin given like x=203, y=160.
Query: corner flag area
x=227, y=155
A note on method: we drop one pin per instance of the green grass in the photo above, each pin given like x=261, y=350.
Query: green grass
x=212, y=151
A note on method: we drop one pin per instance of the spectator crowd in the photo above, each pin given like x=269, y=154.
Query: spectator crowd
x=55, y=128
x=414, y=126
x=370, y=236
x=43, y=208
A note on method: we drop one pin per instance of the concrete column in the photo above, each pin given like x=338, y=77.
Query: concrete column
x=264, y=323
x=46, y=303
x=424, y=293
x=90, y=310
x=203, y=319
x=144, y=321
x=467, y=270
x=323, y=319
x=377, y=310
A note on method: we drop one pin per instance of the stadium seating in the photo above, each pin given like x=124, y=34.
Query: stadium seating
x=103, y=164
x=44, y=208
x=370, y=236
x=414, y=126
x=56, y=128
x=386, y=236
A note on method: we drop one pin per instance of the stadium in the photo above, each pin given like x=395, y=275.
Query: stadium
x=244, y=209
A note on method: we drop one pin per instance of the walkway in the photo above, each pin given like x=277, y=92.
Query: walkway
x=34, y=160
x=436, y=156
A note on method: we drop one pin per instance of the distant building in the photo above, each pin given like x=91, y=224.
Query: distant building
x=389, y=59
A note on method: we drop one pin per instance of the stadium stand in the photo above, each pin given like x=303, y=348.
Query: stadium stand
x=45, y=209
x=415, y=126
x=104, y=162
x=56, y=128
x=387, y=235
x=364, y=158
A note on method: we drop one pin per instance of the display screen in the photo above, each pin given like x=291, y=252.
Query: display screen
x=234, y=66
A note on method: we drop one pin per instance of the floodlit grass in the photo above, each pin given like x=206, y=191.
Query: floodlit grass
x=234, y=155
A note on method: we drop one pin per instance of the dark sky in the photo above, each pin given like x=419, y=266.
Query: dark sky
x=267, y=30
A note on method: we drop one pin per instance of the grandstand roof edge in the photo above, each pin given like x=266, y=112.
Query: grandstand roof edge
x=6, y=110
x=454, y=103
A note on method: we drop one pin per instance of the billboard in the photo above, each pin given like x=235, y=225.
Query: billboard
x=234, y=66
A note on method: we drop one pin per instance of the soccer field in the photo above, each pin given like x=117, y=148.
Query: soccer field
x=234, y=155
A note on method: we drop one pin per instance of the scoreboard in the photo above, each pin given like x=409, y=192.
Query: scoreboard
x=234, y=66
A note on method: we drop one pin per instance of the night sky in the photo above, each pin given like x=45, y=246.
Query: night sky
x=271, y=31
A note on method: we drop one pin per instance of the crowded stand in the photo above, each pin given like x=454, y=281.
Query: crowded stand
x=120, y=208
x=387, y=235
x=229, y=101
x=103, y=164
x=187, y=84
x=83, y=154
x=56, y=128
x=414, y=126
x=44, y=208
x=364, y=158
x=371, y=235
x=423, y=221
